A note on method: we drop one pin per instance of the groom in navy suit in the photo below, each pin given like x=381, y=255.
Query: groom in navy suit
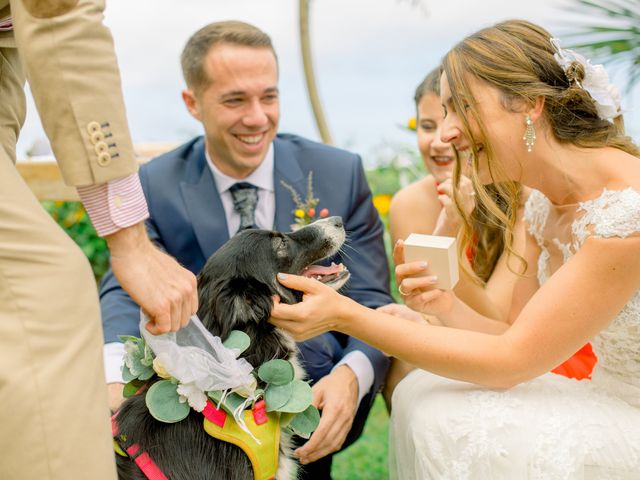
x=231, y=73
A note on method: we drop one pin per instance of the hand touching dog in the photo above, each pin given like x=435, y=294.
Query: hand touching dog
x=336, y=396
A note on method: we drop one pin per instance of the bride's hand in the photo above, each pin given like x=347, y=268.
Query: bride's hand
x=419, y=292
x=318, y=312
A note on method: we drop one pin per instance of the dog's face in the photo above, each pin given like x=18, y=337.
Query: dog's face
x=238, y=282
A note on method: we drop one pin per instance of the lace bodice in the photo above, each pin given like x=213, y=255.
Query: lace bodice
x=560, y=232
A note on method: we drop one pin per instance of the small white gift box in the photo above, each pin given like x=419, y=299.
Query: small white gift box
x=441, y=256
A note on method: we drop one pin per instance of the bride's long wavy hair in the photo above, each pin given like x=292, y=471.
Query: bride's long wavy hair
x=516, y=57
x=487, y=235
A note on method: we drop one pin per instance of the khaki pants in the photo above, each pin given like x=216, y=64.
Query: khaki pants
x=53, y=408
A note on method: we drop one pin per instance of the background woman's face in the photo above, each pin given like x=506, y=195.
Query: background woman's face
x=437, y=156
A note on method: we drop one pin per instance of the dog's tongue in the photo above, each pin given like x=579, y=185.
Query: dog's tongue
x=314, y=270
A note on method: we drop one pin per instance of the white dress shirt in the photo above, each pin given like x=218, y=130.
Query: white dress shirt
x=261, y=177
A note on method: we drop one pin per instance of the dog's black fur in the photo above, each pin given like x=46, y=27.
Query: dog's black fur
x=235, y=291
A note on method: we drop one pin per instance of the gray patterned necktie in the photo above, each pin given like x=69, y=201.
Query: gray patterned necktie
x=245, y=199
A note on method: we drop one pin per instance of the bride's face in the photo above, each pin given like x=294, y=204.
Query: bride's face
x=503, y=131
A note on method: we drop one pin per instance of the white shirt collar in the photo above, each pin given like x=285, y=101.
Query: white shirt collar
x=261, y=177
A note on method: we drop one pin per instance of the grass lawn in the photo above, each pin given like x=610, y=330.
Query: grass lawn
x=366, y=459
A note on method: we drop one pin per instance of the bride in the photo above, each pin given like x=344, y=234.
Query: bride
x=480, y=405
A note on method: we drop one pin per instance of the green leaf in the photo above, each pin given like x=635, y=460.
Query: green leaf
x=132, y=387
x=300, y=398
x=147, y=373
x=305, y=423
x=277, y=372
x=231, y=402
x=238, y=340
x=147, y=359
x=136, y=366
x=277, y=396
x=285, y=419
x=127, y=376
x=128, y=338
x=164, y=403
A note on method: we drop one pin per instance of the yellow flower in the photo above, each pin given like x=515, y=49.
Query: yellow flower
x=299, y=213
x=159, y=368
x=382, y=203
x=412, y=124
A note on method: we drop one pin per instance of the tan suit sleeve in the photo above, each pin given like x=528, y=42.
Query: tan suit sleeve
x=72, y=69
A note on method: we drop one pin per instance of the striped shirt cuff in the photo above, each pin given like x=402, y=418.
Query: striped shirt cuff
x=115, y=205
x=6, y=24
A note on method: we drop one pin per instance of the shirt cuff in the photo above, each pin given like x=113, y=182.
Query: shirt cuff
x=113, y=360
x=361, y=366
x=115, y=205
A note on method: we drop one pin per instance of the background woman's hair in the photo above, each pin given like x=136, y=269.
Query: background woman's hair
x=430, y=84
x=516, y=57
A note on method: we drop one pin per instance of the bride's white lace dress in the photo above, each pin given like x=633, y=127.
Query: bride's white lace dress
x=551, y=427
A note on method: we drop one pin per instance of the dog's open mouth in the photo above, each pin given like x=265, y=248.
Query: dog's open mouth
x=334, y=275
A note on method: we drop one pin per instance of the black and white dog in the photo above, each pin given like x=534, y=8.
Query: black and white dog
x=235, y=289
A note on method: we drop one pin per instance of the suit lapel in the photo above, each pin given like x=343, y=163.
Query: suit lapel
x=287, y=169
x=203, y=203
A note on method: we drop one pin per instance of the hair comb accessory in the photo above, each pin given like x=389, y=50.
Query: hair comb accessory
x=605, y=95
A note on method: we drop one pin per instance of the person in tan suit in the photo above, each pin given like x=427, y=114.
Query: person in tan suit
x=53, y=404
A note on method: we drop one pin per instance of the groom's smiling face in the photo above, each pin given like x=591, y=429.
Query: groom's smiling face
x=239, y=107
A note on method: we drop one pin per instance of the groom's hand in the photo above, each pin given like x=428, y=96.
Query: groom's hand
x=336, y=395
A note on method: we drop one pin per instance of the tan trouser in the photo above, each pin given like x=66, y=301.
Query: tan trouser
x=54, y=419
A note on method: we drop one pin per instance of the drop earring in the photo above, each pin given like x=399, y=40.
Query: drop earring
x=529, y=136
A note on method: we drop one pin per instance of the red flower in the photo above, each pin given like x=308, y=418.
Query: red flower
x=312, y=212
x=324, y=213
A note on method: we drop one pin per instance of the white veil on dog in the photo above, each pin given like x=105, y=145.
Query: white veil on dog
x=195, y=357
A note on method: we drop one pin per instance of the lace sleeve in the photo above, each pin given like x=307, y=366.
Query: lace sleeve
x=616, y=213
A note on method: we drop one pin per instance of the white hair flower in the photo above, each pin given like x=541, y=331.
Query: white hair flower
x=605, y=95
x=191, y=393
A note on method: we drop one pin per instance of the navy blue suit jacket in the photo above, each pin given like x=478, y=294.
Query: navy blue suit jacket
x=187, y=220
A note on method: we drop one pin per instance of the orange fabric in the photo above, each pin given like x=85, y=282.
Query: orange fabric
x=580, y=365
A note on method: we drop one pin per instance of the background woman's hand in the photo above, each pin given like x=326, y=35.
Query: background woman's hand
x=448, y=222
x=418, y=289
x=402, y=311
x=318, y=312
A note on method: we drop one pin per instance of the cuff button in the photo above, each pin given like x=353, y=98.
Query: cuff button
x=104, y=159
x=93, y=127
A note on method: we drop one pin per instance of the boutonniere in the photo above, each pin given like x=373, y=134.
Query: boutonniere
x=305, y=211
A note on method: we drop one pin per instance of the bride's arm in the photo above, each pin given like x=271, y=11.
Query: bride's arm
x=578, y=301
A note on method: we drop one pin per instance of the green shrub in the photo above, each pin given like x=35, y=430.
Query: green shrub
x=72, y=217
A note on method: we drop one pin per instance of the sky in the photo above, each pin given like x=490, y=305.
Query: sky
x=369, y=55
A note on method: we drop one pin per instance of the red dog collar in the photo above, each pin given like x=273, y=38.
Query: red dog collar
x=142, y=459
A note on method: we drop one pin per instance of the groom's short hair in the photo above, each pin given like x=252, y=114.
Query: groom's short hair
x=198, y=46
